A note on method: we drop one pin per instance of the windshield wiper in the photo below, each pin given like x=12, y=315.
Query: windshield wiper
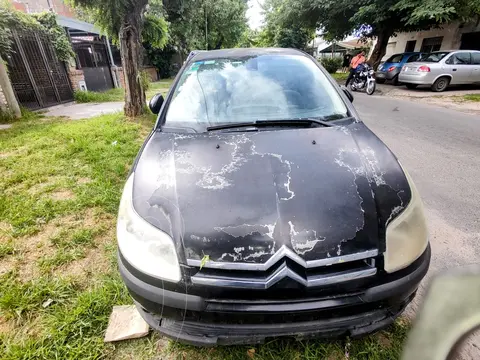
x=274, y=122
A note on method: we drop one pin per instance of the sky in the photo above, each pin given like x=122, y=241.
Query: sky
x=254, y=13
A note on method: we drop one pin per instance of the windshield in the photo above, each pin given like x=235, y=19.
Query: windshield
x=434, y=57
x=223, y=91
x=395, y=59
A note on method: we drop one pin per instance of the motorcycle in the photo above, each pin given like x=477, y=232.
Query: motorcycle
x=364, y=79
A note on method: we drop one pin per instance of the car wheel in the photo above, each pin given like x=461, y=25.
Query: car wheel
x=380, y=81
x=411, y=86
x=395, y=81
x=440, y=84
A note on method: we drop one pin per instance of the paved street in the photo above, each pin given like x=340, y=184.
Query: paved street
x=441, y=150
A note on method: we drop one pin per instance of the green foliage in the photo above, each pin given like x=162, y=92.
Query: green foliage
x=43, y=22
x=331, y=64
x=161, y=59
x=13, y=19
x=225, y=22
x=117, y=94
x=7, y=116
x=340, y=18
x=155, y=31
x=250, y=38
x=281, y=31
x=60, y=40
x=144, y=80
x=18, y=298
x=472, y=97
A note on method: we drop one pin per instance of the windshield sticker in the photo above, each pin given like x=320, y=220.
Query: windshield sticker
x=209, y=62
x=194, y=67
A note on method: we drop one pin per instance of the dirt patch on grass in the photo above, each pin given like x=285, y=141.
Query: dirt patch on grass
x=31, y=249
x=384, y=341
x=6, y=326
x=50, y=182
x=94, y=262
x=62, y=195
x=84, y=180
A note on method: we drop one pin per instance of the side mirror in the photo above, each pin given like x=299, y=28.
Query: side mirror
x=155, y=103
x=347, y=93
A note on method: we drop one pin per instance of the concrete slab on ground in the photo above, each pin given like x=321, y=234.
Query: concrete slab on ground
x=77, y=111
x=125, y=323
x=5, y=126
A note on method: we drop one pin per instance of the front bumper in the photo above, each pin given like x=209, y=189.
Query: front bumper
x=204, y=321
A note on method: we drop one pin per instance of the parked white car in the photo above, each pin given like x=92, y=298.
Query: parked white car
x=442, y=68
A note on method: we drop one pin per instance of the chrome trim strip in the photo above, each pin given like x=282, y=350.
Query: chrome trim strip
x=279, y=274
x=283, y=252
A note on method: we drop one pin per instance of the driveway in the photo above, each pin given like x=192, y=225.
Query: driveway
x=77, y=111
x=440, y=149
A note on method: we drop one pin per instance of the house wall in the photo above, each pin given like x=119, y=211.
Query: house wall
x=75, y=76
x=35, y=6
x=152, y=73
x=452, y=35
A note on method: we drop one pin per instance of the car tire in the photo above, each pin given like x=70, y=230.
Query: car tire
x=395, y=81
x=380, y=81
x=440, y=84
x=411, y=86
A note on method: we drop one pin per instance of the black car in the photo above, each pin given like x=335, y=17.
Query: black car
x=261, y=206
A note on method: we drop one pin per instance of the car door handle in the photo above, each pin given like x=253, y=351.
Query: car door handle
x=454, y=69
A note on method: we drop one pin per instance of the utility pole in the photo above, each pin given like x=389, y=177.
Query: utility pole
x=206, y=25
x=7, y=89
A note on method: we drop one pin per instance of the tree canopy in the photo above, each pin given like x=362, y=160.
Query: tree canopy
x=376, y=18
x=211, y=24
x=282, y=31
x=11, y=19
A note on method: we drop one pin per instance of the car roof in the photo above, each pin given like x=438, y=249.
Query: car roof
x=244, y=52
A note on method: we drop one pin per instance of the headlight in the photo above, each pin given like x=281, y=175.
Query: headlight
x=145, y=247
x=406, y=236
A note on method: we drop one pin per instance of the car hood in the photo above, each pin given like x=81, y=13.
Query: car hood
x=241, y=196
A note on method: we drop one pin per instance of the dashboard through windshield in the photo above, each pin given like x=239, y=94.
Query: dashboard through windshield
x=223, y=91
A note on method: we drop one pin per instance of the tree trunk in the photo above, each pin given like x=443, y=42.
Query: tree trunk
x=8, y=92
x=380, y=47
x=130, y=49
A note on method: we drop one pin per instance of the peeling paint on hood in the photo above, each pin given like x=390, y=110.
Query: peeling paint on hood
x=241, y=196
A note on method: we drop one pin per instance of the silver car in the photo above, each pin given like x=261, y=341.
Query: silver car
x=442, y=68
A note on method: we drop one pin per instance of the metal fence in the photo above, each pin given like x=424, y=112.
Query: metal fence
x=38, y=77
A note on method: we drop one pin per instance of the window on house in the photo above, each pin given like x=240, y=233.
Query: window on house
x=431, y=44
x=410, y=47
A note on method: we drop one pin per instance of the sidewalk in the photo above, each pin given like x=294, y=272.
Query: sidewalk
x=77, y=111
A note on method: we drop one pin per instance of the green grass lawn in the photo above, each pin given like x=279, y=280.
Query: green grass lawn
x=472, y=97
x=161, y=86
x=59, y=191
x=340, y=76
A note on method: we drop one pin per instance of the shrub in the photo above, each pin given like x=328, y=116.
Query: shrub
x=94, y=96
x=331, y=64
x=144, y=80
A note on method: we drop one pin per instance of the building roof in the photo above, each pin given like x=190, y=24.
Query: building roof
x=341, y=46
x=77, y=27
